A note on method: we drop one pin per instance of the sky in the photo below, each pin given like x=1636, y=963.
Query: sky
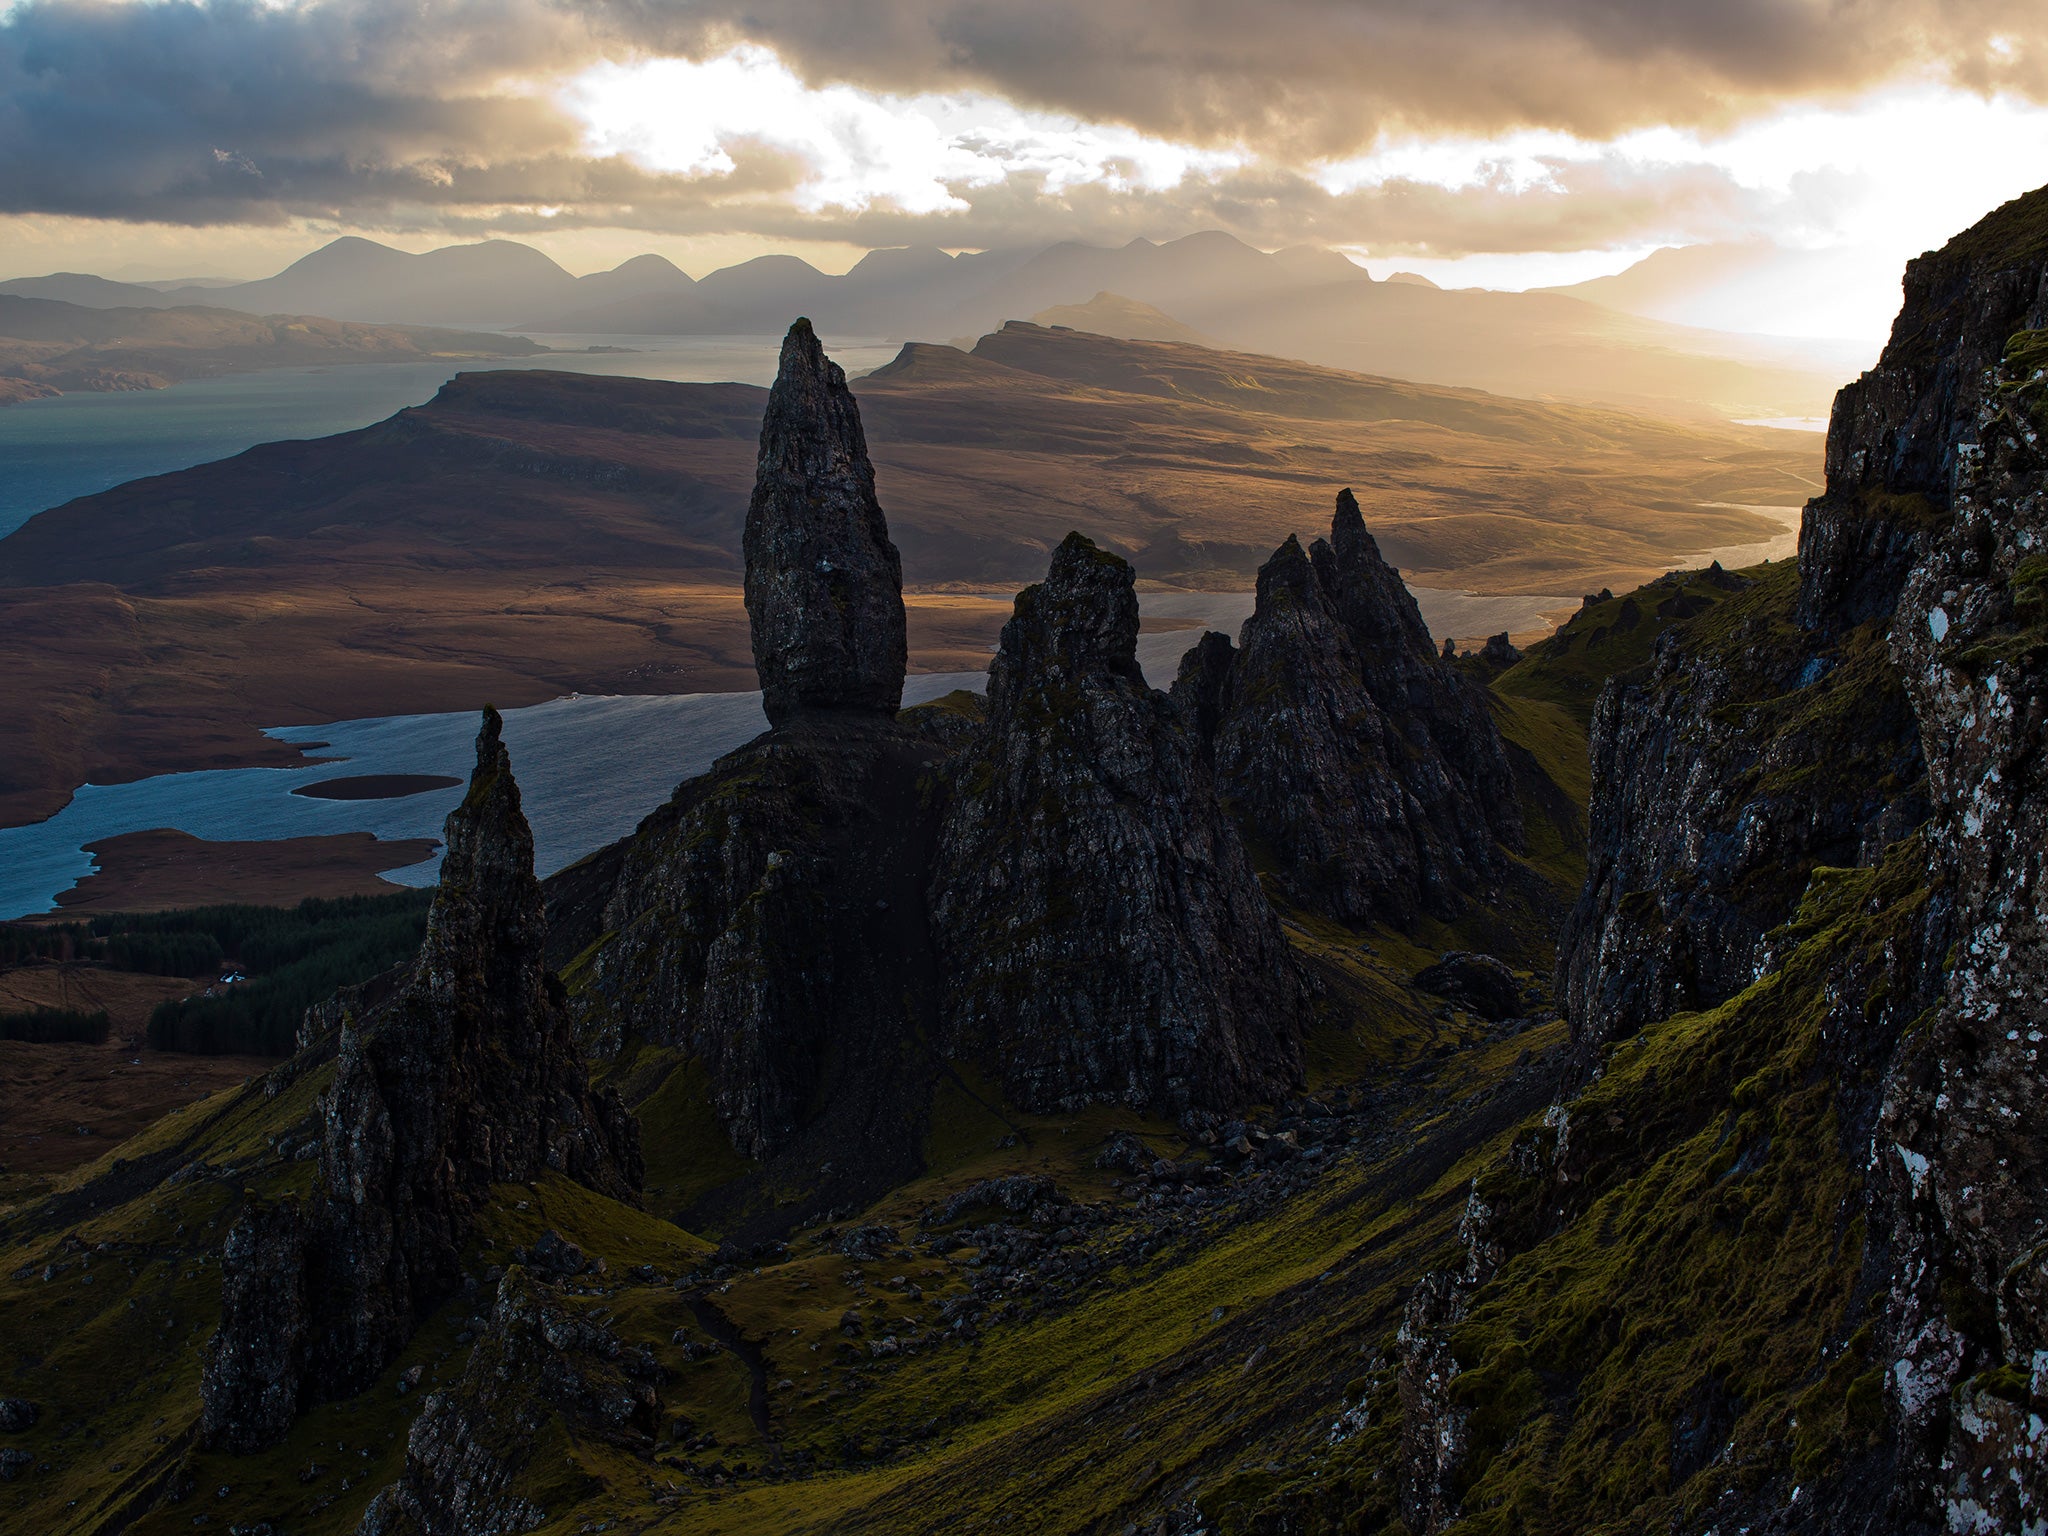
x=1502, y=143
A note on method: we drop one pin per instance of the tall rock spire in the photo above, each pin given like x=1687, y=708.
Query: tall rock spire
x=1101, y=934
x=824, y=585
x=467, y=1076
x=1371, y=769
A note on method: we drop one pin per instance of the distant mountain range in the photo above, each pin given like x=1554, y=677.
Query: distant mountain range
x=492, y=283
x=1314, y=305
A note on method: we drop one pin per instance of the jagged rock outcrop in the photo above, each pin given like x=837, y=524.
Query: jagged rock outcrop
x=1894, y=434
x=1750, y=753
x=1499, y=651
x=1758, y=750
x=539, y=1359
x=1478, y=982
x=824, y=586
x=1904, y=678
x=1347, y=745
x=251, y=1378
x=1100, y=932
x=771, y=917
x=466, y=1076
x=1434, y=1421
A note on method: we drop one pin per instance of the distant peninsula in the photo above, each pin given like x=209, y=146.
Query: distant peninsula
x=48, y=347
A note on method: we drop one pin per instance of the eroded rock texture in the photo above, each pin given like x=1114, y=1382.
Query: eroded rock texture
x=1369, y=766
x=771, y=919
x=1757, y=750
x=467, y=1075
x=1749, y=753
x=250, y=1380
x=1435, y=1417
x=1967, y=1162
x=1100, y=933
x=541, y=1358
x=824, y=585
x=1899, y=680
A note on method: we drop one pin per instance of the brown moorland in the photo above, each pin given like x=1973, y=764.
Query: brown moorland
x=64, y=1105
x=152, y=871
x=529, y=533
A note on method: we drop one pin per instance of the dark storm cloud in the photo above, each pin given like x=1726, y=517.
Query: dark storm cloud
x=230, y=111
x=391, y=114
x=1326, y=76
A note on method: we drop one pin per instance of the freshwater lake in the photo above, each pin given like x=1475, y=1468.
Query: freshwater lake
x=589, y=766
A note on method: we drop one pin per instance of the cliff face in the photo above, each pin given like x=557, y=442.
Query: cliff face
x=1894, y=436
x=1963, y=1163
x=1367, y=764
x=1100, y=932
x=468, y=1075
x=1748, y=753
x=1902, y=679
x=1779, y=737
x=824, y=585
x=770, y=919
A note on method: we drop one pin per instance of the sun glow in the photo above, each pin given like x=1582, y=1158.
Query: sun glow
x=744, y=116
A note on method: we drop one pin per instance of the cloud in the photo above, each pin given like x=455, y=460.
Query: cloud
x=1467, y=125
x=1330, y=77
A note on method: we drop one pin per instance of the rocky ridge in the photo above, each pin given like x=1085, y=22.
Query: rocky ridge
x=1900, y=682
x=1649, y=1312
x=466, y=1076
x=1705, y=836
x=1965, y=1174
x=787, y=919
x=1100, y=932
x=1348, y=745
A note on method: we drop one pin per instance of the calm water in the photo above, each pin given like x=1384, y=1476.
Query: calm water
x=589, y=767
x=74, y=445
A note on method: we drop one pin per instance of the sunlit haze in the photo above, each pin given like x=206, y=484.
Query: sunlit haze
x=719, y=136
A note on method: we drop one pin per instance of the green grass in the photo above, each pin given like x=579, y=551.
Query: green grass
x=687, y=1152
x=1608, y=639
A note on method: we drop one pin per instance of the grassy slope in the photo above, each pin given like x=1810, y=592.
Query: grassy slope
x=1700, y=1267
